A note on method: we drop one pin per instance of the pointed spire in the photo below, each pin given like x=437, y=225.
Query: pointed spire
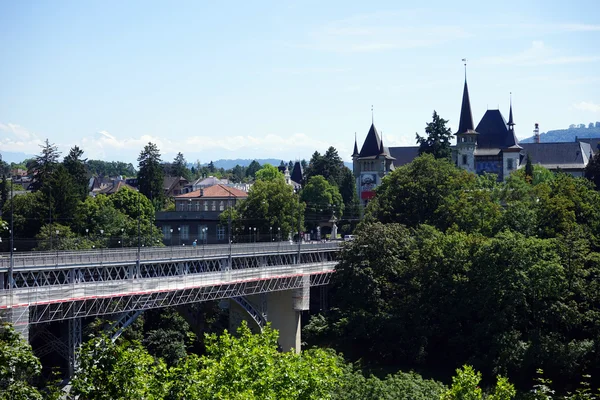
x=355, y=152
x=466, y=117
x=372, y=144
x=511, y=122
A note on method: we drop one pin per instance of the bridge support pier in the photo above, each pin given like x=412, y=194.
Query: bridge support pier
x=74, y=341
x=281, y=308
x=19, y=318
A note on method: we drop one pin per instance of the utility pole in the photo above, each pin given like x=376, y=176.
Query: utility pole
x=299, y=238
x=229, y=227
x=139, y=239
x=12, y=245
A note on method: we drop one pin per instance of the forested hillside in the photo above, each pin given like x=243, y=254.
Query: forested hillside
x=568, y=135
x=449, y=268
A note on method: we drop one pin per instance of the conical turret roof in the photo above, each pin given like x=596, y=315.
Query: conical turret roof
x=466, y=117
x=372, y=144
x=355, y=152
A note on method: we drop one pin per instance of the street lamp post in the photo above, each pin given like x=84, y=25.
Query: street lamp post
x=57, y=246
x=270, y=234
x=171, y=236
x=122, y=231
x=179, y=235
x=101, y=245
x=254, y=234
x=12, y=249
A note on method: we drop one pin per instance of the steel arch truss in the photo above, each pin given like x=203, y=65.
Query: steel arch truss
x=27, y=278
x=126, y=303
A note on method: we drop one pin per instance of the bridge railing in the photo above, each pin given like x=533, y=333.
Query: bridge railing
x=113, y=256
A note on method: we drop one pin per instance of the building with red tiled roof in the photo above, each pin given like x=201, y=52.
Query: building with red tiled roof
x=196, y=216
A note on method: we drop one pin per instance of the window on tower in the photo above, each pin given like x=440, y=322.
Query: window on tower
x=464, y=159
x=509, y=164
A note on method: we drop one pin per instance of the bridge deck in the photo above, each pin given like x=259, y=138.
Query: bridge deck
x=104, y=282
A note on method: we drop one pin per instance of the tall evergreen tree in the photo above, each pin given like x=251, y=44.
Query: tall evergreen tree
x=179, y=167
x=4, y=172
x=529, y=169
x=150, y=173
x=437, y=141
x=592, y=171
x=75, y=166
x=66, y=195
x=252, y=169
x=43, y=165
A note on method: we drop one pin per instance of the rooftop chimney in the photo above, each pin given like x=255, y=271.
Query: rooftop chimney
x=536, y=133
x=201, y=192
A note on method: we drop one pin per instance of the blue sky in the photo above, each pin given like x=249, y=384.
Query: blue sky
x=282, y=79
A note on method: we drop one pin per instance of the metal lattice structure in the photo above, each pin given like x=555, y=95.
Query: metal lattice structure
x=256, y=315
x=52, y=286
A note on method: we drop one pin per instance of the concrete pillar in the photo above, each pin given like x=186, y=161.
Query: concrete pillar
x=19, y=318
x=282, y=309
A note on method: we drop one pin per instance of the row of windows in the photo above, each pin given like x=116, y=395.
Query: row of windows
x=463, y=139
x=509, y=162
x=203, y=205
x=371, y=165
x=184, y=232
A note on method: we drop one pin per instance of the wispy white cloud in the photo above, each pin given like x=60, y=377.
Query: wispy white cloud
x=588, y=106
x=17, y=139
x=537, y=54
x=579, y=27
x=380, y=32
x=310, y=70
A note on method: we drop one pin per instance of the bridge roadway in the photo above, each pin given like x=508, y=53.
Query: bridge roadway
x=59, y=285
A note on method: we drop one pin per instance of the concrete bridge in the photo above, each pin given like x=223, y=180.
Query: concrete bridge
x=268, y=281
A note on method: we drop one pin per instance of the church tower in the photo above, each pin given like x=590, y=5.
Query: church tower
x=371, y=164
x=466, y=136
x=511, y=154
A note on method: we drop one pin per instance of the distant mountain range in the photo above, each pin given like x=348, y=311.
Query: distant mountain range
x=244, y=162
x=566, y=135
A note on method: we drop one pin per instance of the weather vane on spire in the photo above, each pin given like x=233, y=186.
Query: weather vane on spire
x=464, y=60
x=372, y=118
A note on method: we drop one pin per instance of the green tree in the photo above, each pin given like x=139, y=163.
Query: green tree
x=592, y=170
x=117, y=217
x=269, y=173
x=179, y=167
x=401, y=385
x=416, y=193
x=65, y=239
x=43, y=165
x=65, y=194
x=76, y=168
x=329, y=165
x=250, y=367
x=322, y=200
x=271, y=205
x=465, y=386
x=109, y=371
x=437, y=141
x=529, y=169
x=18, y=366
x=30, y=213
x=252, y=169
x=150, y=174
x=167, y=335
x=238, y=174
